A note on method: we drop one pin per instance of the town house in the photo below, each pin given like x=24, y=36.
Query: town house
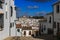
x=56, y=15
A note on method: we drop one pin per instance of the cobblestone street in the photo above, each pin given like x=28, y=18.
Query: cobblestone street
x=22, y=38
x=42, y=37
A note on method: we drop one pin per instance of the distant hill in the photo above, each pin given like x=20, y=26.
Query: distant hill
x=36, y=17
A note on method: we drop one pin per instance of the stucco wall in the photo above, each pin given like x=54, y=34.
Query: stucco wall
x=56, y=17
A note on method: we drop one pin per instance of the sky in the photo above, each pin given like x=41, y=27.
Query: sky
x=34, y=7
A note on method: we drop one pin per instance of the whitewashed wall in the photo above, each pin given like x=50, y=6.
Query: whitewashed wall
x=13, y=18
x=19, y=33
x=6, y=8
x=47, y=24
x=44, y=31
x=56, y=17
x=27, y=33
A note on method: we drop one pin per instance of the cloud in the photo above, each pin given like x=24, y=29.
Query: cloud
x=33, y=7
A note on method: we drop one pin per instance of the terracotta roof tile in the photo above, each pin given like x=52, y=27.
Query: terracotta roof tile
x=18, y=26
x=26, y=28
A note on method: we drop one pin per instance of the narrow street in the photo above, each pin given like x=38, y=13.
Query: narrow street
x=43, y=37
x=22, y=38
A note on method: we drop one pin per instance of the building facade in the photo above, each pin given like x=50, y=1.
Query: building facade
x=47, y=24
x=28, y=25
x=1, y=18
x=56, y=7
x=9, y=12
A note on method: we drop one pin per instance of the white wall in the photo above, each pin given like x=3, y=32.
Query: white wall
x=6, y=21
x=44, y=31
x=50, y=25
x=6, y=8
x=47, y=24
x=19, y=33
x=27, y=33
x=56, y=17
x=13, y=18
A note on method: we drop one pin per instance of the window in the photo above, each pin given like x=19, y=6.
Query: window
x=57, y=8
x=18, y=30
x=6, y=3
x=2, y=1
x=54, y=25
x=29, y=32
x=6, y=15
x=10, y=25
x=1, y=27
x=6, y=7
x=50, y=20
x=13, y=23
x=57, y=27
x=44, y=27
x=11, y=10
x=15, y=8
x=0, y=5
x=24, y=32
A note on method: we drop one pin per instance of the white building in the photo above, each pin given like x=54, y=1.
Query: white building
x=47, y=24
x=28, y=25
x=56, y=7
x=1, y=22
x=18, y=28
x=9, y=19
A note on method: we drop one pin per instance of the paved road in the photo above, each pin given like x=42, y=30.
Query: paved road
x=43, y=37
x=48, y=37
x=22, y=38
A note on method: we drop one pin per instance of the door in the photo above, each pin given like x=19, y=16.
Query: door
x=24, y=33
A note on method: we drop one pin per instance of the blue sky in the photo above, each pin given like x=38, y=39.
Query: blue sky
x=27, y=7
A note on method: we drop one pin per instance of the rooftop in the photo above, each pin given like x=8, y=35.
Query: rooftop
x=26, y=28
x=49, y=13
x=18, y=26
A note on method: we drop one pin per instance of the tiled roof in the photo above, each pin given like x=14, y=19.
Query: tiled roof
x=26, y=28
x=18, y=26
